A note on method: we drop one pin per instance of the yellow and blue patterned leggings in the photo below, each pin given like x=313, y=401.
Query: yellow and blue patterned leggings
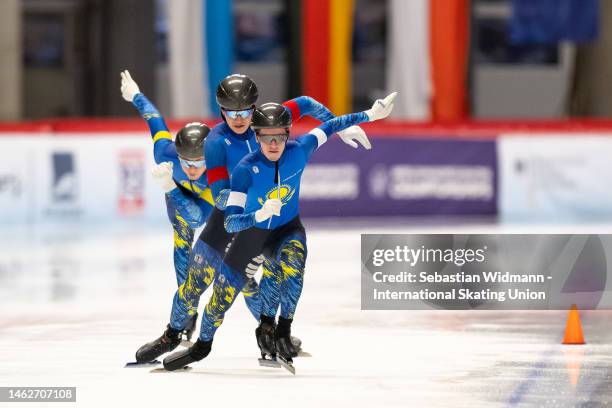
x=286, y=245
x=183, y=239
x=283, y=277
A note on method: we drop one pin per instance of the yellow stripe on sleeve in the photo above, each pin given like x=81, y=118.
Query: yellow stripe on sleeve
x=162, y=134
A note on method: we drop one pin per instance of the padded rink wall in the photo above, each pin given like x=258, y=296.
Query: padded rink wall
x=99, y=170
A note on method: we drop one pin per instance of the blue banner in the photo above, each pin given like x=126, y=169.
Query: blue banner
x=553, y=21
x=402, y=176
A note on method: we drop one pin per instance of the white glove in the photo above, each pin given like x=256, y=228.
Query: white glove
x=268, y=209
x=129, y=87
x=353, y=134
x=163, y=175
x=381, y=108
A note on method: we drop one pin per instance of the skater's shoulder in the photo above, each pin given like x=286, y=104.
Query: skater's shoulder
x=292, y=145
x=248, y=160
x=294, y=150
x=218, y=132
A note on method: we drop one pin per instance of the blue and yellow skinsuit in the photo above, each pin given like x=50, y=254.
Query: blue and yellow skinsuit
x=255, y=180
x=223, y=151
x=188, y=205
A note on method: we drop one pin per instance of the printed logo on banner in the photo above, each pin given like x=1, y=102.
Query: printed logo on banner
x=378, y=181
x=413, y=182
x=64, y=186
x=10, y=185
x=330, y=182
x=131, y=182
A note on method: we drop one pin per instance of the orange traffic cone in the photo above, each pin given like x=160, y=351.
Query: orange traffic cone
x=573, y=330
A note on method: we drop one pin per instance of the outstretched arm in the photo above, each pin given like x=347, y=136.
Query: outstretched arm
x=307, y=106
x=319, y=135
x=157, y=126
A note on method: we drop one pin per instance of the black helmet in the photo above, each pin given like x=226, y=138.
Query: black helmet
x=190, y=140
x=237, y=92
x=271, y=115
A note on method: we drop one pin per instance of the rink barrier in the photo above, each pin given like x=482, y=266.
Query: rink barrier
x=514, y=170
x=387, y=128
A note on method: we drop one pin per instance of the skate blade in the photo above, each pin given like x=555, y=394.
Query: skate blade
x=266, y=362
x=163, y=370
x=135, y=364
x=286, y=365
x=304, y=354
x=186, y=343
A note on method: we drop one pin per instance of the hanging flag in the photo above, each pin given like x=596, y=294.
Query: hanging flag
x=408, y=62
x=315, y=46
x=219, y=31
x=188, y=95
x=449, y=39
x=201, y=54
x=340, y=54
x=427, y=53
x=327, y=32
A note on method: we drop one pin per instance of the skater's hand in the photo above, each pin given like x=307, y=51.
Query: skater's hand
x=163, y=175
x=381, y=108
x=268, y=209
x=129, y=87
x=353, y=135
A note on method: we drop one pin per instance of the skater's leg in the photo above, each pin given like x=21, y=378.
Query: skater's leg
x=203, y=264
x=252, y=297
x=228, y=284
x=292, y=260
x=183, y=238
x=269, y=287
x=241, y=260
x=207, y=257
x=202, y=269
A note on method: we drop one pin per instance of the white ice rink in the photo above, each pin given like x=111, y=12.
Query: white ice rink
x=76, y=302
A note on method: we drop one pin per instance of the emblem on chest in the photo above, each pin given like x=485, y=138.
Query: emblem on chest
x=285, y=192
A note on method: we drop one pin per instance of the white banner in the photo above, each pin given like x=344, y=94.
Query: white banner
x=78, y=177
x=548, y=178
x=18, y=169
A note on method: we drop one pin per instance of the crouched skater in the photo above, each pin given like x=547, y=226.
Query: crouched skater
x=227, y=143
x=262, y=208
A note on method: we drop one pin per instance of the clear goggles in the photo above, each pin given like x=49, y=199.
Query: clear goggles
x=278, y=138
x=198, y=164
x=235, y=114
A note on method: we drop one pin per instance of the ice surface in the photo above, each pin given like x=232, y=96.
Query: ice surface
x=77, y=301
